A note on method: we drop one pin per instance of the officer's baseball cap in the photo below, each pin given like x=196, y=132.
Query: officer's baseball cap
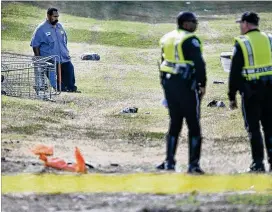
x=186, y=16
x=249, y=17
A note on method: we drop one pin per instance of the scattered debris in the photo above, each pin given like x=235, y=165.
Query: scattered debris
x=90, y=56
x=58, y=163
x=218, y=82
x=215, y=103
x=79, y=197
x=130, y=110
x=90, y=166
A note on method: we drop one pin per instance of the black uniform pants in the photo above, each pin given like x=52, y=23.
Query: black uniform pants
x=256, y=108
x=184, y=103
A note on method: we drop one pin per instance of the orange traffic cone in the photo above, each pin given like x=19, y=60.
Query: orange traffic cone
x=80, y=162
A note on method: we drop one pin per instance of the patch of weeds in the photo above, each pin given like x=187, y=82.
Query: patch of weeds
x=238, y=139
x=93, y=133
x=21, y=104
x=62, y=113
x=250, y=199
x=12, y=136
x=48, y=119
x=26, y=129
x=142, y=135
x=69, y=128
x=190, y=200
x=134, y=119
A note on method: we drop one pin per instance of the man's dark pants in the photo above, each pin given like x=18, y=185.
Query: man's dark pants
x=183, y=102
x=256, y=108
x=67, y=77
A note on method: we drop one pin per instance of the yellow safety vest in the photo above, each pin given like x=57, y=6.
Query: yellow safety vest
x=257, y=51
x=171, y=45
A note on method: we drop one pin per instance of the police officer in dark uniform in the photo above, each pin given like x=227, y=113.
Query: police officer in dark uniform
x=183, y=78
x=251, y=74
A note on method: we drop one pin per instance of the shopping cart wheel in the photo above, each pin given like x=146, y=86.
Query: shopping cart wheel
x=3, y=93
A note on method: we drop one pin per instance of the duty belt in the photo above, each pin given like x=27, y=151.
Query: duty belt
x=186, y=71
x=174, y=65
x=179, y=68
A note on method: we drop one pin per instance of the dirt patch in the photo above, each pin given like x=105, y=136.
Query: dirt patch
x=9, y=166
x=124, y=202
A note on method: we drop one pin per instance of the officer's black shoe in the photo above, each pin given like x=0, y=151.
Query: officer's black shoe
x=256, y=168
x=171, y=147
x=74, y=90
x=195, y=170
x=166, y=165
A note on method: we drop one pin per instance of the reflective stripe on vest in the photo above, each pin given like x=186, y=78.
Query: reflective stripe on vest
x=256, y=73
x=249, y=51
x=270, y=40
x=259, y=65
x=171, y=45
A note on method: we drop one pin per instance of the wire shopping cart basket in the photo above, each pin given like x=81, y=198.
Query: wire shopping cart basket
x=29, y=77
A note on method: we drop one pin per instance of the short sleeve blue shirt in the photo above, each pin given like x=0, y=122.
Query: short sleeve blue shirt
x=51, y=41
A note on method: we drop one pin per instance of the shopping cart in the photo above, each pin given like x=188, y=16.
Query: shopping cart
x=29, y=77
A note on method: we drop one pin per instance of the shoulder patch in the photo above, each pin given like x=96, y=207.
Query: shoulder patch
x=195, y=42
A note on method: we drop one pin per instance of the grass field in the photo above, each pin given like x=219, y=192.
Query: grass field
x=128, y=68
x=127, y=41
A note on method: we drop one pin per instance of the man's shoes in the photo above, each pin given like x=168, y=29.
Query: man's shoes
x=74, y=90
x=166, y=165
x=195, y=170
x=256, y=168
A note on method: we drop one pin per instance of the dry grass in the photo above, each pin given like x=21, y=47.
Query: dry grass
x=128, y=76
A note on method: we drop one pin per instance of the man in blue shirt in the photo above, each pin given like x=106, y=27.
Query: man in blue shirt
x=49, y=39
